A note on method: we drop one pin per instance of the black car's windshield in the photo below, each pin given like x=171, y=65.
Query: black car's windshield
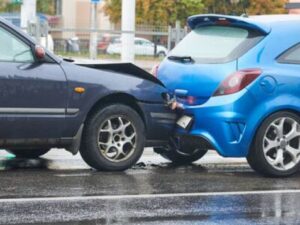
x=216, y=44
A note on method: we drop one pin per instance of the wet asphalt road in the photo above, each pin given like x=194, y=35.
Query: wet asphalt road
x=64, y=191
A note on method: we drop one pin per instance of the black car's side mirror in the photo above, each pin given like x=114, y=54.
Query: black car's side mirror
x=40, y=53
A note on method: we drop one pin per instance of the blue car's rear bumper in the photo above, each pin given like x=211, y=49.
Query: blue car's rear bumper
x=228, y=123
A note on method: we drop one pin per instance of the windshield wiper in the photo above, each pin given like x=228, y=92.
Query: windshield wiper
x=183, y=59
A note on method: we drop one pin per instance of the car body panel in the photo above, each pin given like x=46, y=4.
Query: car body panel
x=39, y=105
x=210, y=19
x=230, y=122
x=38, y=95
x=100, y=84
x=172, y=72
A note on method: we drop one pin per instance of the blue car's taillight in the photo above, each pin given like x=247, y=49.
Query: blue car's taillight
x=237, y=81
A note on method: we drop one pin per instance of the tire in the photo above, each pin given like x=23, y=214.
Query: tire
x=174, y=154
x=161, y=55
x=113, y=138
x=179, y=159
x=275, y=151
x=28, y=153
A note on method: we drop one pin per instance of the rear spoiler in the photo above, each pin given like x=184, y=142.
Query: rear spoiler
x=214, y=19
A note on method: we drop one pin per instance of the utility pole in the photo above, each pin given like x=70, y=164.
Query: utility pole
x=93, y=36
x=28, y=12
x=128, y=28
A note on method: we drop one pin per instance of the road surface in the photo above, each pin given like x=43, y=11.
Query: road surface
x=60, y=189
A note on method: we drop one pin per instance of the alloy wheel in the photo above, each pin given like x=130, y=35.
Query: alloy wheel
x=281, y=143
x=117, y=139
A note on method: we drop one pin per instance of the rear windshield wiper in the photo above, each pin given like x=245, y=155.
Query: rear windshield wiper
x=183, y=59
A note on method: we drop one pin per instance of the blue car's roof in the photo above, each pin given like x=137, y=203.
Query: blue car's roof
x=263, y=23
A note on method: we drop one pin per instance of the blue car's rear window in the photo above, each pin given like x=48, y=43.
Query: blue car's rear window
x=216, y=44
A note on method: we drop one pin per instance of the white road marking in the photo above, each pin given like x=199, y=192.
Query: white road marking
x=73, y=175
x=143, y=196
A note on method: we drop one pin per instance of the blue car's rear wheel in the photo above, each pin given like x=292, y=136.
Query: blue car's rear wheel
x=180, y=159
x=182, y=154
x=276, y=147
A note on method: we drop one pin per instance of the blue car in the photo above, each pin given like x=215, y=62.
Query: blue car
x=107, y=112
x=238, y=81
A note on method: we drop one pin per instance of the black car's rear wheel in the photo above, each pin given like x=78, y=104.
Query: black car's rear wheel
x=113, y=138
x=28, y=153
x=276, y=147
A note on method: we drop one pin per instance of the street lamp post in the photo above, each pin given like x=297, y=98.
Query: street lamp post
x=28, y=12
x=93, y=35
x=128, y=28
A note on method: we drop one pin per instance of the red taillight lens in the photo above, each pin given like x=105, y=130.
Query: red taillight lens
x=237, y=81
x=191, y=100
x=154, y=70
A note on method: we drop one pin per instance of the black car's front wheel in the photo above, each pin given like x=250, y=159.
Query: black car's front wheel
x=276, y=147
x=113, y=138
x=28, y=153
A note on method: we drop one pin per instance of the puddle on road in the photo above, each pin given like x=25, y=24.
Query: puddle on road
x=196, y=167
x=14, y=163
x=9, y=162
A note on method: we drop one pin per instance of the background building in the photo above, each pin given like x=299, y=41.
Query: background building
x=76, y=14
x=293, y=6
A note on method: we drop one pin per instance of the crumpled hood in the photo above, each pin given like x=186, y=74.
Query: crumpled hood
x=124, y=68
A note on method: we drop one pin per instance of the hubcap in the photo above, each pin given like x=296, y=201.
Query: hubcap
x=281, y=143
x=117, y=139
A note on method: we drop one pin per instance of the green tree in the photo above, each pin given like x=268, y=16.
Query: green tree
x=46, y=6
x=43, y=6
x=259, y=7
x=226, y=6
x=7, y=6
x=251, y=7
x=168, y=11
x=157, y=12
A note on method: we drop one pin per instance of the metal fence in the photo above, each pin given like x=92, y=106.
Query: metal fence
x=151, y=42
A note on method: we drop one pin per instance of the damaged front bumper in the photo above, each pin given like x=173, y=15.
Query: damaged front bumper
x=160, y=123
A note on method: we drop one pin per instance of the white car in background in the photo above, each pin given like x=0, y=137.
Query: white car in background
x=141, y=47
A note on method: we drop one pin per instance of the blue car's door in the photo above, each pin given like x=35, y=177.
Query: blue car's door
x=33, y=95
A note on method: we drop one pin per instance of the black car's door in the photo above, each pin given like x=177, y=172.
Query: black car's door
x=33, y=95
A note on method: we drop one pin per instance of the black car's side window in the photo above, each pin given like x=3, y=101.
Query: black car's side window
x=291, y=56
x=13, y=49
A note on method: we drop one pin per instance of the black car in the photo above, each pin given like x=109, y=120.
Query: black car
x=107, y=112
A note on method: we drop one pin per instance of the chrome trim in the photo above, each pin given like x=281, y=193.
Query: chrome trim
x=72, y=111
x=38, y=111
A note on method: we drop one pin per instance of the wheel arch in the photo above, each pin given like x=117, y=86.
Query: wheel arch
x=117, y=98
x=267, y=115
